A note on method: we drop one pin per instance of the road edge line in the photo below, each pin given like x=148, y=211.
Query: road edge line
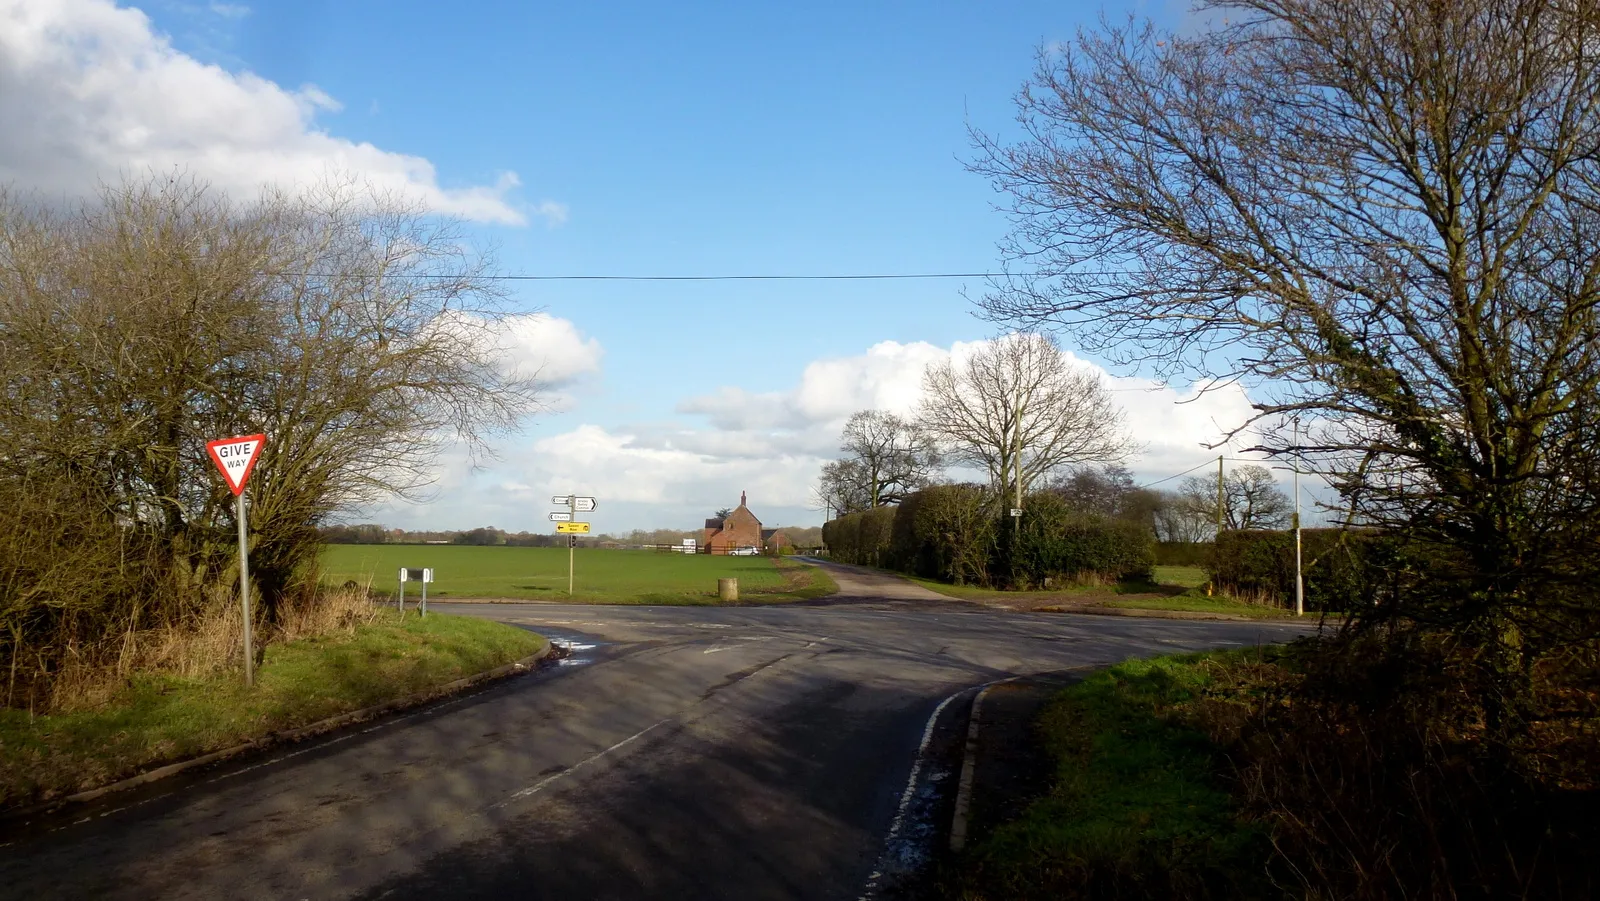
x=871, y=888
x=273, y=739
x=969, y=765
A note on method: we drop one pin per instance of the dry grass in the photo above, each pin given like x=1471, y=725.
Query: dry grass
x=1369, y=765
x=211, y=643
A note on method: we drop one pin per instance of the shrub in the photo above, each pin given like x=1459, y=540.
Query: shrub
x=946, y=532
x=860, y=538
x=1056, y=544
x=1345, y=570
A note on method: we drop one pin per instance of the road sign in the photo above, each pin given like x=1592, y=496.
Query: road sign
x=570, y=528
x=561, y=499
x=561, y=517
x=583, y=504
x=236, y=458
x=1016, y=511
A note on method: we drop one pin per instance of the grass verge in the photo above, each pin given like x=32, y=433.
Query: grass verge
x=1135, y=810
x=802, y=582
x=1174, y=588
x=158, y=719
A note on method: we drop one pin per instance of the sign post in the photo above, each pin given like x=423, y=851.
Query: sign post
x=236, y=459
x=566, y=526
x=408, y=574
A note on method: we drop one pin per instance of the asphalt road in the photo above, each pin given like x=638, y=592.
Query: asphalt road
x=682, y=752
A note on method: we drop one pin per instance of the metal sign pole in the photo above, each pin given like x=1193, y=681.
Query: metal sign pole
x=572, y=541
x=424, y=599
x=244, y=589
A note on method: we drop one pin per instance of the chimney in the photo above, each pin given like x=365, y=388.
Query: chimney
x=741, y=498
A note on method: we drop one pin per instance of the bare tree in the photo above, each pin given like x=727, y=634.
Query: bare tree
x=1381, y=215
x=886, y=458
x=1019, y=409
x=1178, y=519
x=356, y=331
x=1251, y=499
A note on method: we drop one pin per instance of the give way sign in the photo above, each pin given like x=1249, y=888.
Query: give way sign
x=236, y=457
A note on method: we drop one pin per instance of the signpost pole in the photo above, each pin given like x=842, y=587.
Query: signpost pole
x=235, y=459
x=244, y=589
x=572, y=542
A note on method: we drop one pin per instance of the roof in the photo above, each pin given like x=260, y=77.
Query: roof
x=714, y=524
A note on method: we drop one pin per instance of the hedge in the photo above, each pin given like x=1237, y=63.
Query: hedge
x=1056, y=545
x=860, y=538
x=953, y=533
x=1340, y=566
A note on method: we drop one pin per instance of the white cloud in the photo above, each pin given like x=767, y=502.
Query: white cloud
x=548, y=348
x=92, y=93
x=770, y=444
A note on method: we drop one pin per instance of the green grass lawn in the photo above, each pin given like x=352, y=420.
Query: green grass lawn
x=1135, y=809
x=156, y=719
x=601, y=576
x=1181, y=576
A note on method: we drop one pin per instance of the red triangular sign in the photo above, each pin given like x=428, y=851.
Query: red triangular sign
x=236, y=457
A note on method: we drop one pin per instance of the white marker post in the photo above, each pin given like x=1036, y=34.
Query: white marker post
x=236, y=459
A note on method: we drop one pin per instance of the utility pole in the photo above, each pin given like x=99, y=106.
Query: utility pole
x=1219, y=498
x=1299, y=581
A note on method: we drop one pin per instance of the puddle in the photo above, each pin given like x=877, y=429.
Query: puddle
x=571, y=648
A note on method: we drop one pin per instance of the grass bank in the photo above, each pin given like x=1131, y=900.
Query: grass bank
x=1348, y=767
x=601, y=576
x=1178, y=588
x=1136, y=808
x=156, y=719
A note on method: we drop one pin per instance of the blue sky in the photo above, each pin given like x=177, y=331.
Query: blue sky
x=615, y=139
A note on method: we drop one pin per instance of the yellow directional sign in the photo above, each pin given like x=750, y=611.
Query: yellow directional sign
x=576, y=528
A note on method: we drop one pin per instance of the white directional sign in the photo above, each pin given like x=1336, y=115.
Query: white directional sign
x=561, y=517
x=561, y=499
x=583, y=504
x=236, y=457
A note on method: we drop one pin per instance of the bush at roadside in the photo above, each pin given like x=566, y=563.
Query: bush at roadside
x=953, y=533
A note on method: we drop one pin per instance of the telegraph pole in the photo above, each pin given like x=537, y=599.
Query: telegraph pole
x=1299, y=581
x=1219, y=498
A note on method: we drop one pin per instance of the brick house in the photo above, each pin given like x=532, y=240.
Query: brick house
x=740, y=529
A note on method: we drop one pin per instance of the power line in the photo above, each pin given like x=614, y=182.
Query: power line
x=878, y=276
x=1170, y=478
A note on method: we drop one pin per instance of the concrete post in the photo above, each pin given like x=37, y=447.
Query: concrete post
x=728, y=589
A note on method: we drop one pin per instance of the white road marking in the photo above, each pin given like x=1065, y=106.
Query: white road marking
x=539, y=786
x=906, y=796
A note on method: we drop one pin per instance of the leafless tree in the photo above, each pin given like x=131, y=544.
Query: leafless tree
x=885, y=458
x=356, y=331
x=1380, y=215
x=1019, y=409
x=1178, y=519
x=1251, y=499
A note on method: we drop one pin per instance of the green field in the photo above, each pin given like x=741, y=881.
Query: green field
x=602, y=576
